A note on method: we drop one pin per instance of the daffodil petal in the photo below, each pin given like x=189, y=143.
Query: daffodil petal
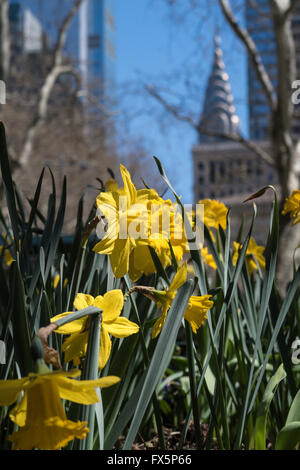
x=69, y=328
x=107, y=243
x=75, y=347
x=157, y=327
x=179, y=278
x=122, y=327
x=18, y=413
x=129, y=187
x=105, y=347
x=83, y=301
x=83, y=391
x=111, y=304
x=11, y=389
x=107, y=203
x=119, y=258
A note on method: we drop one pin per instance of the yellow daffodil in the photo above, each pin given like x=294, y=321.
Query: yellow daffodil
x=135, y=220
x=208, y=258
x=111, y=185
x=111, y=304
x=215, y=213
x=40, y=415
x=292, y=205
x=7, y=256
x=196, y=310
x=56, y=280
x=254, y=255
x=121, y=207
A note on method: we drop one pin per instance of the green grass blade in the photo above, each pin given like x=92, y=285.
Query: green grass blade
x=262, y=414
x=160, y=357
x=288, y=437
x=8, y=186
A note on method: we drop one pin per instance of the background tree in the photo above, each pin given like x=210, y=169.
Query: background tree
x=51, y=121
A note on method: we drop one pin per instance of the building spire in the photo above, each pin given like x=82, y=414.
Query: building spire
x=218, y=112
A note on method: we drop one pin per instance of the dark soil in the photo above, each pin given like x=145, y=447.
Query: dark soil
x=172, y=439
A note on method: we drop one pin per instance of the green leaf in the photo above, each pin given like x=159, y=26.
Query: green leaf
x=262, y=414
x=289, y=436
x=294, y=413
x=8, y=186
x=90, y=372
x=20, y=324
x=160, y=357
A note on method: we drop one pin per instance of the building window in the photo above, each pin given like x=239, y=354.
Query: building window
x=212, y=175
x=94, y=41
x=222, y=169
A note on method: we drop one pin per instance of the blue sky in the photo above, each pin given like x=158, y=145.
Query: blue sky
x=150, y=47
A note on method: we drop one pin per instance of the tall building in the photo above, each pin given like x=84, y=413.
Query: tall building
x=260, y=26
x=77, y=141
x=26, y=30
x=224, y=169
x=218, y=112
x=90, y=37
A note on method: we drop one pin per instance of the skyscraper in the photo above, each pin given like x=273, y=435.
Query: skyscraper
x=260, y=26
x=224, y=169
x=218, y=112
x=90, y=38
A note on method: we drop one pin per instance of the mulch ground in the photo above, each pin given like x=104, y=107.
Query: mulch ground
x=172, y=439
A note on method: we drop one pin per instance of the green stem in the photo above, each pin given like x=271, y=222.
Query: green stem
x=147, y=362
x=193, y=388
x=76, y=315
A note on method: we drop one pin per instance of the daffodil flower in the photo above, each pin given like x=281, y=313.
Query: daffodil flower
x=111, y=304
x=135, y=222
x=254, y=255
x=292, y=205
x=8, y=259
x=121, y=207
x=40, y=415
x=215, y=213
x=208, y=258
x=196, y=310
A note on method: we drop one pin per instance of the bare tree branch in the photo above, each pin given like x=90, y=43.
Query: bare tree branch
x=290, y=8
x=253, y=53
x=98, y=105
x=42, y=110
x=286, y=74
x=55, y=71
x=254, y=147
x=4, y=40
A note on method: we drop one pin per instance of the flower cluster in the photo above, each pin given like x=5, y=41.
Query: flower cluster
x=138, y=220
x=137, y=229
x=292, y=206
x=197, y=308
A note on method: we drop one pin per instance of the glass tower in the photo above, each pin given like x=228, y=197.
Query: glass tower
x=260, y=26
x=90, y=38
